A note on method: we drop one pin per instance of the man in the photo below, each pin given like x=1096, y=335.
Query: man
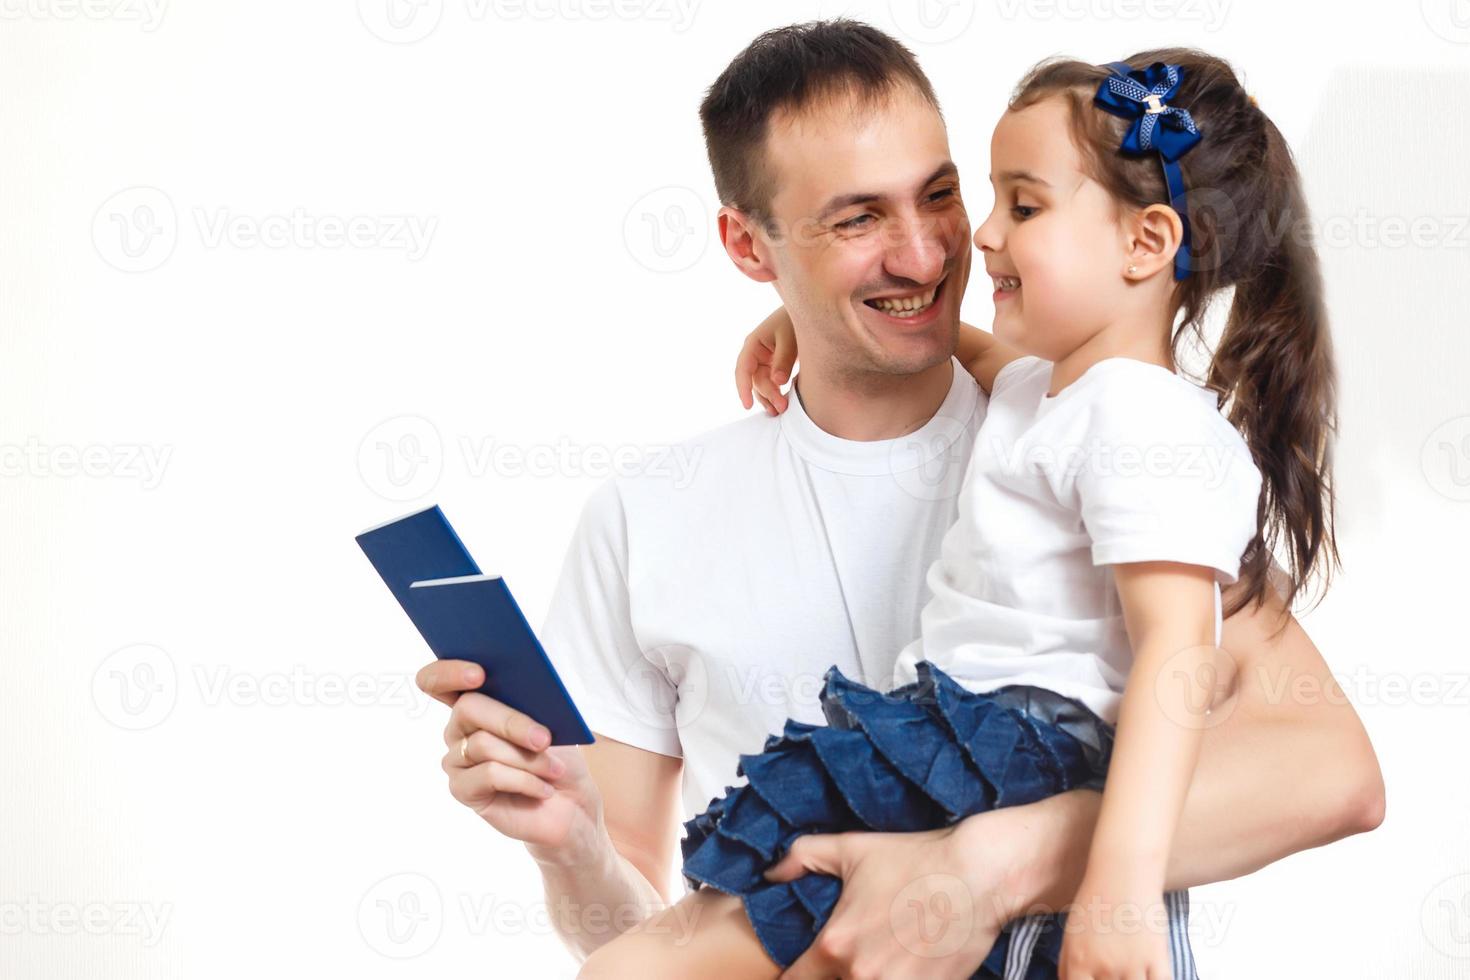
x=691, y=621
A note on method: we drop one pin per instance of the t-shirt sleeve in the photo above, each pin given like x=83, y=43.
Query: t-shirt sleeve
x=1164, y=478
x=589, y=636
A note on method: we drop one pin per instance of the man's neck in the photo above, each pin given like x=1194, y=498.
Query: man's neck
x=869, y=407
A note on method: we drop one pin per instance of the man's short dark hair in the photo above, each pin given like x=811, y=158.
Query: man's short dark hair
x=790, y=68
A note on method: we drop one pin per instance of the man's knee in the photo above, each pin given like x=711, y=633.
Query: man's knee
x=604, y=963
x=627, y=956
x=704, y=935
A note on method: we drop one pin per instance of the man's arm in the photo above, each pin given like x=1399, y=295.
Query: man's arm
x=1281, y=773
x=601, y=839
x=606, y=882
x=1288, y=769
x=603, y=835
x=605, y=886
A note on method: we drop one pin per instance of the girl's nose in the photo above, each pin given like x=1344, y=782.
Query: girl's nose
x=985, y=237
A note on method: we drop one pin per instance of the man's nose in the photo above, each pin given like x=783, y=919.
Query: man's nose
x=918, y=251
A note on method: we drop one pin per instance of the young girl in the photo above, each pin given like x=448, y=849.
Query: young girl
x=1075, y=604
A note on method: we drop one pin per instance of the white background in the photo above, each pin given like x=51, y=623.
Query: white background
x=204, y=393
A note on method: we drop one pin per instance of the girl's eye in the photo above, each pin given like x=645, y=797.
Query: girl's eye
x=1024, y=211
x=852, y=224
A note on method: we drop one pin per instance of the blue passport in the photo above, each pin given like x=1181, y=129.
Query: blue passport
x=463, y=614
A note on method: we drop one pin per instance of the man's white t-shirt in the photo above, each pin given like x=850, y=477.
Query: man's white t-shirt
x=1129, y=463
x=695, y=614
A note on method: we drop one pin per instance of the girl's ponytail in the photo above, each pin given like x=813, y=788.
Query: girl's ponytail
x=1274, y=360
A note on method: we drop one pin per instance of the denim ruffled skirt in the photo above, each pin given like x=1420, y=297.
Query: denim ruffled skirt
x=921, y=756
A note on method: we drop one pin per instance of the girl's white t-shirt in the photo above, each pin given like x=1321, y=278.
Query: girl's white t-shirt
x=1129, y=463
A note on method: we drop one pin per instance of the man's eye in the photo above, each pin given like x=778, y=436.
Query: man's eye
x=940, y=195
x=852, y=224
x=1024, y=211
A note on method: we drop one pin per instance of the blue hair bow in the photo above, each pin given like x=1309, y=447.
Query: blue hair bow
x=1142, y=95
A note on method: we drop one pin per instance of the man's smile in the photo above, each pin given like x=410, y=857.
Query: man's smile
x=909, y=307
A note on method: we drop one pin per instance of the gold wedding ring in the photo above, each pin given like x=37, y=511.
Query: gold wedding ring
x=464, y=745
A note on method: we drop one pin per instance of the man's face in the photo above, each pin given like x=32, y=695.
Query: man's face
x=871, y=249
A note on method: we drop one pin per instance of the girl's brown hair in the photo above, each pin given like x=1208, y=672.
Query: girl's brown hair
x=1272, y=369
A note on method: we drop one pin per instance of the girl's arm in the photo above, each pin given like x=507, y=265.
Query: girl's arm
x=769, y=353
x=1169, y=610
x=982, y=355
x=765, y=362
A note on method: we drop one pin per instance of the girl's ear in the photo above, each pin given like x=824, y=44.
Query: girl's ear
x=746, y=246
x=1155, y=235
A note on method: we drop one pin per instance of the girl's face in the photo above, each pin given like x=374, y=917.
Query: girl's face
x=1053, y=243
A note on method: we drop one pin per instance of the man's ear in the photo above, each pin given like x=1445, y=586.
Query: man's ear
x=746, y=246
x=1155, y=235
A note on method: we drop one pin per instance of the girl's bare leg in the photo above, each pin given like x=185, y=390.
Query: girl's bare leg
x=704, y=934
